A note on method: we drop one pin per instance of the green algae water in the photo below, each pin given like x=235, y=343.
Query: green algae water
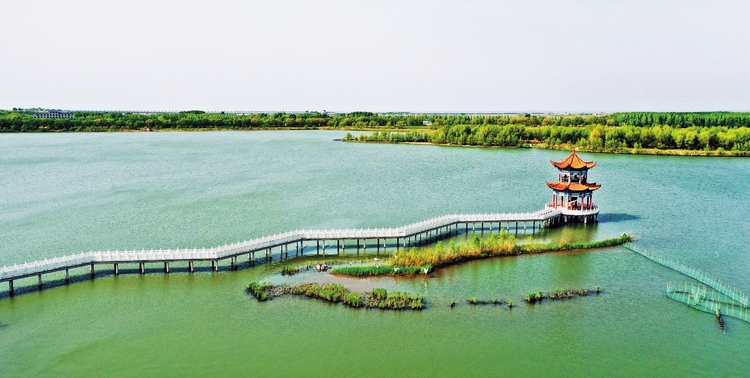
x=67, y=193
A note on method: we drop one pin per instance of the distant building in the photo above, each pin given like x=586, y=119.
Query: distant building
x=53, y=114
x=426, y=123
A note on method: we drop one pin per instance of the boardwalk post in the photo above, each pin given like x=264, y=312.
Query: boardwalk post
x=166, y=267
x=116, y=268
x=40, y=281
x=142, y=267
x=10, y=288
x=92, y=270
x=215, y=265
x=338, y=247
x=317, y=243
x=67, y=277
x=377, y=252
x=357, y=247
x=191, y=267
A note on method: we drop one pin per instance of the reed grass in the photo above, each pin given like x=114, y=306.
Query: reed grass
x=380, y=298
x=259, y=290
x=557, y=294
x=539, y=248
x=497, y=244
x=385, y=270
x=335, y=293
x=331, y=292
x=424, y=260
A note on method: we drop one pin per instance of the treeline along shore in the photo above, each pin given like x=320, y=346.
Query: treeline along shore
x=697, y=133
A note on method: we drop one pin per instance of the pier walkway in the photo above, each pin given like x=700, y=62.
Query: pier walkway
x=406, y=236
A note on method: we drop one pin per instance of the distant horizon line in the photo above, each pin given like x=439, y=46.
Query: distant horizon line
x=324, y=111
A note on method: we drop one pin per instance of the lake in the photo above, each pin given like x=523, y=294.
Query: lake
x=69, y=193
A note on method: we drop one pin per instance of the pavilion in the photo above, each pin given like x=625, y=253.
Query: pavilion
x=572, y=193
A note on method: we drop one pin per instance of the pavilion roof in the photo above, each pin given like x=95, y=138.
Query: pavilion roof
x=573, y=161
x=573, y=186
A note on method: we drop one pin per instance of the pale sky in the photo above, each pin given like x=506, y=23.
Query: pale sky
x=419, y=56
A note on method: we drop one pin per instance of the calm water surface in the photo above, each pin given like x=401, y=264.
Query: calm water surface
x=67, y=193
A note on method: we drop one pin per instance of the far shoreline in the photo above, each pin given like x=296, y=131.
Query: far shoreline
x=629, y=151
x=540, y=146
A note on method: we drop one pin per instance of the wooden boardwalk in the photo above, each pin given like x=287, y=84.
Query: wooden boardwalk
x=406, y=236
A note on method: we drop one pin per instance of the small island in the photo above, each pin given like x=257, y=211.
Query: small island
x=335, y=293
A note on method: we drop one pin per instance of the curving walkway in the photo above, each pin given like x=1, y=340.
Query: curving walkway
x=412, y=234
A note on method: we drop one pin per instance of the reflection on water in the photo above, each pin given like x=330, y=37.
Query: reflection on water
x=609, y=217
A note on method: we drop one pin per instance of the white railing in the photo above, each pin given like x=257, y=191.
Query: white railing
x=220, y=252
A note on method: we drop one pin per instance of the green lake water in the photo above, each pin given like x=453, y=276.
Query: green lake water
x=68, y=193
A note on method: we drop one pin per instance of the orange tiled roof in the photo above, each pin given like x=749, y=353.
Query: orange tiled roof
x=573, y=161
x=573, y=186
